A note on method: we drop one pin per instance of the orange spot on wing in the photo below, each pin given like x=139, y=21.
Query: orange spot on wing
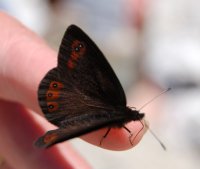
x=75, y=55
x=75, y=43
x=49, y=138
x=52, y=95
x=55, y=85
x=77, y=50
x=70, y=64
x=52, y=106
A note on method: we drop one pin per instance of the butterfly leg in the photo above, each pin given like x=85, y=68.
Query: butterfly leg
x=131, y=134
x=105, y=135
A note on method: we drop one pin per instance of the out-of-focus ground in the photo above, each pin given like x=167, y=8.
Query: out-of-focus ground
x=151, y=45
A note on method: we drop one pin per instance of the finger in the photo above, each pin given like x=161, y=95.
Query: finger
x=4, y=164
x=118, y=138
x=18, y=130
x=24, y=60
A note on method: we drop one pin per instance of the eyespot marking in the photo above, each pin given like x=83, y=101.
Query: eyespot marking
x=55, y=85
x=52, y=95
x=78, y=49
x=52, y=106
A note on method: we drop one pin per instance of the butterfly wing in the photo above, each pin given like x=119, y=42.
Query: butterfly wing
x=88, y=69
x=77, y=126
x=82, y=81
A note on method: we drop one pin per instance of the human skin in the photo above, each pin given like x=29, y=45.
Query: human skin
x=24, y=60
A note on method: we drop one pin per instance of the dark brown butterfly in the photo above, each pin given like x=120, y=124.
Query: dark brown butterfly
x=82, y=93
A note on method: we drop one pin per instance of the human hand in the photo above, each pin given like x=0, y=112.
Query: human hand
x=24, y=60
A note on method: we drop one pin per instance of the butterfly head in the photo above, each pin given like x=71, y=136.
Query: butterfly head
x=135, y=114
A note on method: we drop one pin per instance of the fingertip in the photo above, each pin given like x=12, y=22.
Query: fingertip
x=118, y=138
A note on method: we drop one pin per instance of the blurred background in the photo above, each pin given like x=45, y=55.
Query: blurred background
x=152, y=45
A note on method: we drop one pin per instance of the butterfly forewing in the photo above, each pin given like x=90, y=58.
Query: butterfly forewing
x=88, y=69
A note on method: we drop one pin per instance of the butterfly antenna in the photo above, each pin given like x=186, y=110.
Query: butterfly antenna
x=154, y=135
x=154, y=98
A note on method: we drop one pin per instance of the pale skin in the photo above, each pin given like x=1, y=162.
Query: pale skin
x=24, y=60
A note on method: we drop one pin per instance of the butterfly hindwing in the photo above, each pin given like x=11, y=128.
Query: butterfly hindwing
x=77, y=126
x=61, y=101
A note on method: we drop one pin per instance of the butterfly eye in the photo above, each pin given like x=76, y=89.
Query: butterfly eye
x=52, y=106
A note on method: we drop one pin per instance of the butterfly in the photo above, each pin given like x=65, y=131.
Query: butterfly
x=82, y=94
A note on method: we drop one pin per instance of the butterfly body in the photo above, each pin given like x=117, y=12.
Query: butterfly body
x=82, y=93
x=114, y=118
